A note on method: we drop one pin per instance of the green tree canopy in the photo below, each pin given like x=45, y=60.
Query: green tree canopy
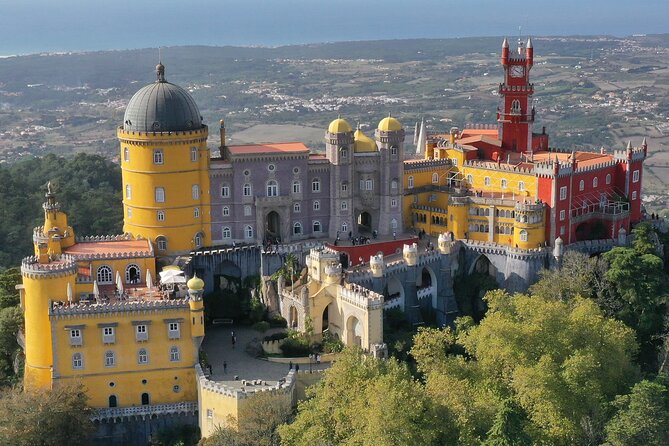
x=45, y=418
x=642, y=417
x=561, y=362
x=365, y=401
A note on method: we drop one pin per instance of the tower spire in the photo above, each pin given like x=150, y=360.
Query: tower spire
x=160, y=68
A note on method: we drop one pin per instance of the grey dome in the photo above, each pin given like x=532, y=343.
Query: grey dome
x=161, y=107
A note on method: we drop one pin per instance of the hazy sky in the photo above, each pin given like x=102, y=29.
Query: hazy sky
x=28, y=26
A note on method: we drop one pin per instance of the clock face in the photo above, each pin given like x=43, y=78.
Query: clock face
x=517, y=71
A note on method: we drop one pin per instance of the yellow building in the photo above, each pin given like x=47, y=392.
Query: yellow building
x=451, y=189
x=91, y=317
x=165, y=165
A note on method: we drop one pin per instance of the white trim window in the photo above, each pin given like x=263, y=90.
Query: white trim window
x=248, y=232
x=195, y=191
x=316, y=226
x=193, y=154
x=272, y=188
x=316, y=185
x=227, y=233
x=247, y=211
x=158, y=157
x=563, y=193
x=226, y=211
x=225, y=191
x=635, y=176
x=317, y=205
x=486, y=181
x=523, y=235
x=296, y=208
x=175, y=354
x=110, y=358
x=173, y=330
x=77, y=361
x=246, y=190
x=297, y=187
x=128, y=191
x=297, y=228
x=521, y=186
x=410, y=182
x=160, y=194
x=142, y=356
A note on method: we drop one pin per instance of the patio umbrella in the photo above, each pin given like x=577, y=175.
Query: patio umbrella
x=96, y=290
x=119, y=283
x=149, y=279
x=69, y=292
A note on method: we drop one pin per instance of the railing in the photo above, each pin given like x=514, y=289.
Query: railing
x=142, y=411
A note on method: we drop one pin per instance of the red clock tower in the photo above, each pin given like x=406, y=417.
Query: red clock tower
x=517, y=116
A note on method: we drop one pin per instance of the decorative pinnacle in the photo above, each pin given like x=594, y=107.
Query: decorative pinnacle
x=505, y=44
x=529, y=43
x=643, y=143
x=629, y=145
x=160, y=72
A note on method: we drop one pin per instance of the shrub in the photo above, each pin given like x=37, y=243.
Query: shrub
x=277, y=321
x=296, y=346
x=276, y=336
x=261, y=326
x=331, y=344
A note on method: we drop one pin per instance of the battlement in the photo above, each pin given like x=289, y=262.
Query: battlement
x=246, y=387
x=547, y=168
x=427, y=164
x=361, y=297
x=629, y=154
x=333, y=269
x=59, y=266
x=491, y=165
x=124, y=135
x=115, y=307
x=594, y=167
x=504, y=88
x=105, y=238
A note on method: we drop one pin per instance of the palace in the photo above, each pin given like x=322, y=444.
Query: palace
x=496, y=198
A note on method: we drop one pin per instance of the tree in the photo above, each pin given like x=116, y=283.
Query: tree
x=57, y=417
x=560, y=362
x=642, y=417
x=508, y=427
x=366, y=401
x=259, y=417
x=11, y=321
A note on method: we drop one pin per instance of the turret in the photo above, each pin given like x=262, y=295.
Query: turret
x=529, y=53
x=505, y=52
x=195, y=292
x=445, y=243
x=377, y=265
x=410, y=254
x=558, y=250
x=56, y=234
x=222, y=130
x=332, y=273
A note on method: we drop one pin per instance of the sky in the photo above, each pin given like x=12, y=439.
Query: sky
x=33, y=26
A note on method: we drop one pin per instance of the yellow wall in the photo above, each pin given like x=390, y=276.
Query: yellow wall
x=127, y=375
x=176, y=175
x=496, y=176
x=37, y=294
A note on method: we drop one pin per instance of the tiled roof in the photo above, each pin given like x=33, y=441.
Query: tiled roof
x=114, y=247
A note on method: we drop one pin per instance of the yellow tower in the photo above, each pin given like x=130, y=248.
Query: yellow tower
x=56, y=234
x=195, y=292
x=43, y=283
x=165, y=165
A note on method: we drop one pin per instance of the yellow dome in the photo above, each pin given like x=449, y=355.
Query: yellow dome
x=195, y=283
x=389, y=124
x=339, y=125
x=363, y=143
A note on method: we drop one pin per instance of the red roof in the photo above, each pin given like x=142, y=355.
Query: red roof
x=583, y=159
x=473, y=132
x=117, y=247
x=280, y=147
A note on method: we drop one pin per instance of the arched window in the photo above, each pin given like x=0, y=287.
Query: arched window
x=608, y=178
x=193, y=154
x=393, y=150
x=296, y=207
x=225, y=191
x=297, y=228
x=344, y=152
x=174, y=354
x=316, y=185
x=486, y=181
x=410, y=182
x=113, y=402
x=521, y=186
x=195, y=191
x=523, y=235
x=160, y=215
x=344, y=227
x=142, y=356
x=161, y=242
x=470, y=179
x=435, y=178
x=226, y=211
x=317, y=205
x=504, y=183
x=160, y=194
x=297, y=187
x=248, y=231
x=247, y=190
x=196, y=212
x=133, y=274
x=77, y=361
x=128, y=191
x=316, y=226
x=110, y=358
x=247, y=211
x=581, y=185
x=344, y=205
x=126, y=154
x=393, y=223
x=272, y=188
x=158, y=157
x=393, y=185
x=129, y=212
x=595, y=182
x=344, y=186
x=105, y=275
x=227, y=233
x=197, y=240
x=515, y=107
x=145, y=399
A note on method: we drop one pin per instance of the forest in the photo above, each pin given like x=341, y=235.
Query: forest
x=87, y=186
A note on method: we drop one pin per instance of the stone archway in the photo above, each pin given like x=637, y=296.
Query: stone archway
x=325, y=319
x=394, y=290
x=227, y=276
x=483, y=265
x=354, y=331
x=365, y=222
x=293, y=321
x=273, y=225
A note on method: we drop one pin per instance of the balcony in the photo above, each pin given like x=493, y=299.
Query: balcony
x=609, y=211
x=144, y=411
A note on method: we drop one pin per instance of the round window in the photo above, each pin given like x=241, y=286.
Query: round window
x=176, y=388
x=144, y=381
x=271, y=167
x=247, y=172
x=296, y=170
x=112, y=384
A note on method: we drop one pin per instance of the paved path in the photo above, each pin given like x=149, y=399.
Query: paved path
x=218, y=347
